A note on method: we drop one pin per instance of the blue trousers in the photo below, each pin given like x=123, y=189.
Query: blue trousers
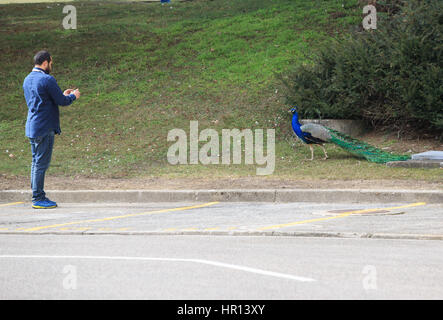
x=41, y=148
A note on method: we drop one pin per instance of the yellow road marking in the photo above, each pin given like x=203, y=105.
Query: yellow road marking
x=10, y=204
x=342, y=215
x=122, y=216
x=190, y=229
x=82, y=228
x=74, y=229
x=211, y=229
x=170, y=229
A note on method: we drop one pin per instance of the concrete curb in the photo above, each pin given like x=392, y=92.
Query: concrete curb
x=232, y=195
x=416, y=164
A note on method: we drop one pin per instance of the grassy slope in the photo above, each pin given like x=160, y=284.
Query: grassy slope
x=144, y=69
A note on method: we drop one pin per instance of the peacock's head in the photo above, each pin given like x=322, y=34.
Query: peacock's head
x=293, y=110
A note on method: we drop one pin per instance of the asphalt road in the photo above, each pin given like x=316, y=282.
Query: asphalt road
x=221, y=251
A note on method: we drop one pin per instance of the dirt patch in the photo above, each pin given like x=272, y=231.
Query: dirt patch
x=68, y=183
x=406, y=143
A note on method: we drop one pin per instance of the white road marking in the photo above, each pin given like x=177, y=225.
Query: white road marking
x=202, y=261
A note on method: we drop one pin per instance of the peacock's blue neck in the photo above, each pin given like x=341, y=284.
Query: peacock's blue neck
x=296, y=126
x=295, y=123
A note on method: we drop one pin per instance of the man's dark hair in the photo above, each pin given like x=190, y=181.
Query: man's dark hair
x=41, y=57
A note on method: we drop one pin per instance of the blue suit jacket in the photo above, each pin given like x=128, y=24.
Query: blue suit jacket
x=43, y=96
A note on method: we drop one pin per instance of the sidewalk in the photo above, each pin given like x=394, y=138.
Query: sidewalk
x=233, y=195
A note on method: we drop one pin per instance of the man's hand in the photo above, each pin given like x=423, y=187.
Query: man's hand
x=67, y=92
x=76, y=92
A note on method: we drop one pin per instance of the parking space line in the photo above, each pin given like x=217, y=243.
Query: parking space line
x=342, y=215
x=82, y=228
x=200, y=261
x=10, y=204
x=121, y=216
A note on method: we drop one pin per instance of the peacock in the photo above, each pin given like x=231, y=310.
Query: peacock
x=316, y=134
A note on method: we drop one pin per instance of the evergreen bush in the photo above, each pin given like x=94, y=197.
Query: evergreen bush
x=389, y=76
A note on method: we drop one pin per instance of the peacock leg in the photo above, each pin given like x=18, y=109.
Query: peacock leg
x=324, y=151
x=312, y=153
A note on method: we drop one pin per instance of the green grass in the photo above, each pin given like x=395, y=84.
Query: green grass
x=144, y=69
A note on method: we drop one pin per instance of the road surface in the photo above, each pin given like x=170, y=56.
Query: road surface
x=221, y=251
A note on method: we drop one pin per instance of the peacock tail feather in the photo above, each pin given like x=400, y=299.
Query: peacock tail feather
x=363, y=149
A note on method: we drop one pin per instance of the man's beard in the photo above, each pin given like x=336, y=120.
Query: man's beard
x=48, y=70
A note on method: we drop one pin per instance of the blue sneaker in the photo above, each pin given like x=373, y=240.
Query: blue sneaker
x=44, y=204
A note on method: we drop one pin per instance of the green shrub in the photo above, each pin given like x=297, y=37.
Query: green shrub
x=390, y=76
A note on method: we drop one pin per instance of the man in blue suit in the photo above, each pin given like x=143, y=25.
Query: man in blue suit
x=43, y=96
